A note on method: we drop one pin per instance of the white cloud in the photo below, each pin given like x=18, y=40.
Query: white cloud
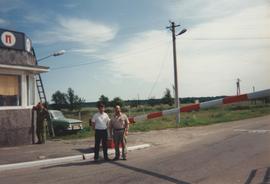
x=88, y=34
x=206, y=67
x=235, y=46
x=202, y=11
x=141, y=56
x=250, y=23
x=84, y=51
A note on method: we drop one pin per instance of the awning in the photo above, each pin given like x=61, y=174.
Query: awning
x=34, y=68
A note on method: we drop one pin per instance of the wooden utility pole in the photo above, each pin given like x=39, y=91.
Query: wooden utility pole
x=176, y=97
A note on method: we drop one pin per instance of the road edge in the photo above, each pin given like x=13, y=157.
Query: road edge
x=66, y=159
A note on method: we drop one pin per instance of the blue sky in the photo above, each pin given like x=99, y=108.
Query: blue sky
x=122, y=47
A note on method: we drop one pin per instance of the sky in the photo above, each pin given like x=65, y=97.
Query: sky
x=122, y=48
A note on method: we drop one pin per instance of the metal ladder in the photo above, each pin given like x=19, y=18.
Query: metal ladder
x=42, y=95
x=40, y=89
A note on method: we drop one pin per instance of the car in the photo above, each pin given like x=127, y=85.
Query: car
x=62, y=124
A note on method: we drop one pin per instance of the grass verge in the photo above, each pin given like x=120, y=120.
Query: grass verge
x=199, y=118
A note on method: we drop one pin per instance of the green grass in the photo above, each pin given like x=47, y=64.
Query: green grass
x=200, y=118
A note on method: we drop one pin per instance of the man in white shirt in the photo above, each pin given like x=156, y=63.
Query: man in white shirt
x=100, y=122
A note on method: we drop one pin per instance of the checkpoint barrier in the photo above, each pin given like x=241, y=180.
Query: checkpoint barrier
x=195, y=107
x=203, y=105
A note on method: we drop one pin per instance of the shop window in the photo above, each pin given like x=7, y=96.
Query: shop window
x=10, y=90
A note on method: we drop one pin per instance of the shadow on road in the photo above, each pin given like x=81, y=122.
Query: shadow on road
x=151, y=173
x=143, y=171
x=252, y=175
x=77, y=164
x=86, y=150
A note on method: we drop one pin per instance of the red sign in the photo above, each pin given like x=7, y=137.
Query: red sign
x=8, y=39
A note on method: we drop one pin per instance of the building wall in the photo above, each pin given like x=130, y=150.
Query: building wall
x=14, y=57
x=16, y=127
x=16, y=121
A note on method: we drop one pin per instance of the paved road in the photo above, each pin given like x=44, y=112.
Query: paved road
x=227, y=153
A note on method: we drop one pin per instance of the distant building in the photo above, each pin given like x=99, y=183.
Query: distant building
x=17, y=88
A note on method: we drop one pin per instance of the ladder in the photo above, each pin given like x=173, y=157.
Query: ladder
x=43, y=99
x=40, y=89
x=42, y=96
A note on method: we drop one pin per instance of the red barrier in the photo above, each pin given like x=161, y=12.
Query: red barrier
x=154, y=115
x=232, y=99
x=193, y=107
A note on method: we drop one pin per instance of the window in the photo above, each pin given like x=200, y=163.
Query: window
x=10, y=90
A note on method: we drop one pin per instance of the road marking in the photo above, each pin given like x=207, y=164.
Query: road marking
x=260, y=131
x=53, y=161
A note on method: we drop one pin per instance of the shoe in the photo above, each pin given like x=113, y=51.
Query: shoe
x=107, y=159
x=124, y=158
x=116, y=158
x=95, y=159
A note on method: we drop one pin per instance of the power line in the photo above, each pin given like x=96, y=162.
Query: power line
x=159, y=73
x=116, y=57
x=233, y=38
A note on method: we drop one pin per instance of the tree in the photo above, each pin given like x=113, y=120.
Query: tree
x=167, y=98
x=104, y=100
x=74, y=101
x=59, y=100
x=152, y=101
x=117, y=101
x=69, y=99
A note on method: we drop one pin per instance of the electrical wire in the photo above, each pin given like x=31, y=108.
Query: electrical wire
x=233, y=38
x=160, y=70
x=113, y=58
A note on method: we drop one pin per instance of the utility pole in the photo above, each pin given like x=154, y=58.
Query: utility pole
x=176, y=97
x=254, y=92
x=238, y=87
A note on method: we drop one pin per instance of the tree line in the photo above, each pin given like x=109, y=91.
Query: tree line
x=71, y=101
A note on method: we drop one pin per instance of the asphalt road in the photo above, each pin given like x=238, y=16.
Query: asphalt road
x=226, y=153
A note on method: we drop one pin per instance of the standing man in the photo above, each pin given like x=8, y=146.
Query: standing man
x=119, y=126
x=100, y=122
x=42, y=115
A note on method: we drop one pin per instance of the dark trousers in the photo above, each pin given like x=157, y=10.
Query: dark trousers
x=101, y=135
